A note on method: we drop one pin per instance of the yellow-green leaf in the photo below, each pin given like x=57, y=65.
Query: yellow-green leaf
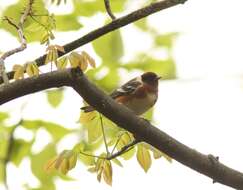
x=86, y=159
x=107, y=172
x=158, y=154
x=64, y=167
x=72, y=161
x=143, y=157
x=50, y=165
x=18, y=72
x=55, y=97
x=87, y=117
x=32, y=69
x=62, y=63
x=118, y=162
x=99, y=175
x=124, y=140
x=83, y=65
x=89, y=59
x=74, y=59
x=60, y=48
x=52, y=55
x=92, y=169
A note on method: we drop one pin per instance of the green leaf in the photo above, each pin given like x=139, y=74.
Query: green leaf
x=124, y=140
x=3, y=116
x=143, y=157
x=142, y=24
x=2, y=172
x=85, y=159
x=89, y=8
x=109, y=81
x=94, y=130
x=57, y=131
x=20, y=149
x=55, y=97
x=4, y=136
x=62, y=63
x=109, y=47
x=149, y=114
x=118, y=162
x=31, y=124
x=107, y=172
x=14, y=11
x=32, y=69
x=37, y=166
x=67, y=22
x=166, y=40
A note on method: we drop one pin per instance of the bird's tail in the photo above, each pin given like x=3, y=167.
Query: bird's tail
x=87, y=109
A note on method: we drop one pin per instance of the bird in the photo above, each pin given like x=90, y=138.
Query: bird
x=138, y=94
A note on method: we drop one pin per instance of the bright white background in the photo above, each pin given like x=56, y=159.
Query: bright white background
x=202, y=109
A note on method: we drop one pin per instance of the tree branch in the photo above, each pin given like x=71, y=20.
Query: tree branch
x=123, y=117
x=123, y=150
x=116, y=24
x=23, y=44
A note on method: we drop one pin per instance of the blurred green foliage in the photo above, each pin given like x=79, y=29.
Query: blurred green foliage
x=41, y=27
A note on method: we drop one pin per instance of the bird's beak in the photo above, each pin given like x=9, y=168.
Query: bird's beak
x=159, y=77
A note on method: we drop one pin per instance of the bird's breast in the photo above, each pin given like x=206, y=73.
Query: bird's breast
x=141, y=105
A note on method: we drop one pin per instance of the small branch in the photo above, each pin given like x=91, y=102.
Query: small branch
x=103, y=133
x=123, y=149
x=108, y=9
x=3, y=73
x=126, y=119
x=116, y=24
x=23, y=43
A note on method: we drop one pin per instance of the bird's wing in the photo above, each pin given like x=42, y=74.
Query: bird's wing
x=126, y=89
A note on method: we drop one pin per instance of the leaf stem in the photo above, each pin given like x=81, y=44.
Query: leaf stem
x=95, y=156
x=103, y=132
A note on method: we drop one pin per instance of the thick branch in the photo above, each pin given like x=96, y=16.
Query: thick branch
x=123, y=117
x=116, y=24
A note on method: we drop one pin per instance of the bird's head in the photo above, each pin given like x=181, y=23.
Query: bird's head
x=150, y=78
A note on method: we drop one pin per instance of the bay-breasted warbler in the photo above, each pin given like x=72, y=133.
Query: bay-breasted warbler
x=138, y=94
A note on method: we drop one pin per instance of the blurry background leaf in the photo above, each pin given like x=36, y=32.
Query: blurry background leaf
x=67, y=22
x=56, y=131
x=55, y=97
x=109, y=48
x=3, y=116
x=2, y=172
x=37, y=165
x=166, y=40
x=20, y=149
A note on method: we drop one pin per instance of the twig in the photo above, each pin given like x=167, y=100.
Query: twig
x=23, y=43
x=123, y=150
x=116, y=24
x=108, y=9
x=103, y=133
